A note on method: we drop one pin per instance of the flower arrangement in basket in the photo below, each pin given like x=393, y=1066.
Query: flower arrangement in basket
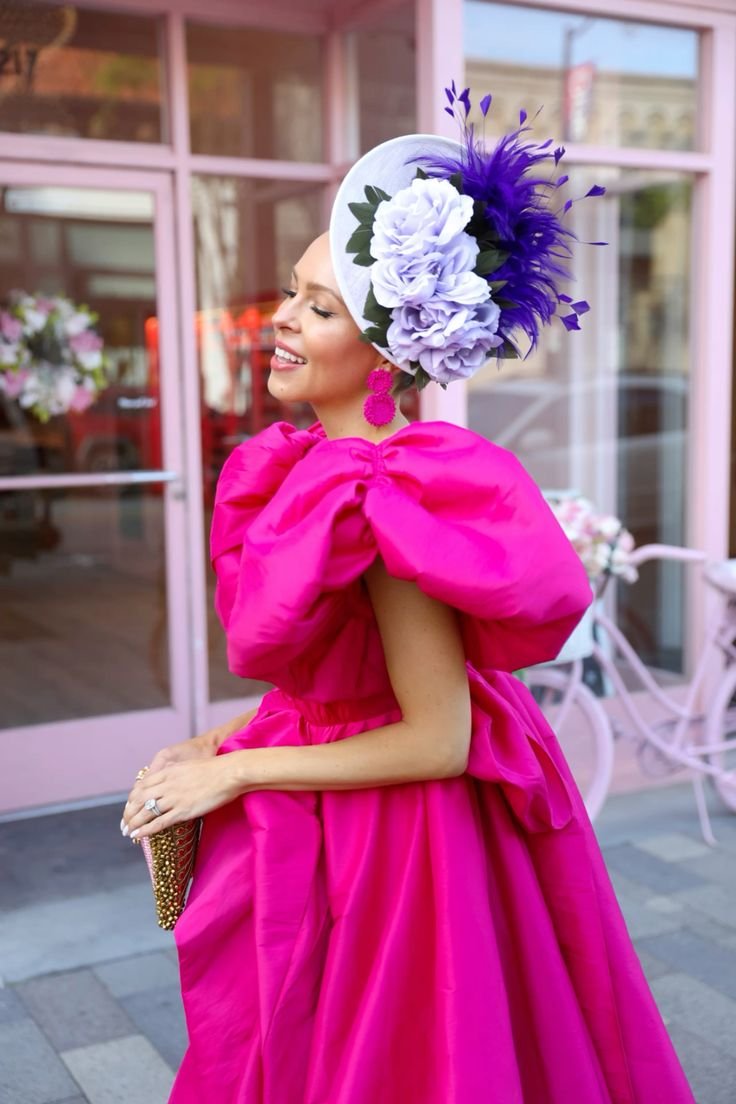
x=51, y=357
x=600, y=540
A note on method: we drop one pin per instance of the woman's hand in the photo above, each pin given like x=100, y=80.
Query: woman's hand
x=197, y=747
x=182, y=791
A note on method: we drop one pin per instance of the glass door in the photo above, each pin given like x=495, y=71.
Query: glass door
x=93, y=570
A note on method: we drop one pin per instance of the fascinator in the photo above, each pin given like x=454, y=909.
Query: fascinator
x=449, y=253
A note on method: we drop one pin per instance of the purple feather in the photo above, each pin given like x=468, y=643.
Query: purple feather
x=515, y=214
x=485, y=103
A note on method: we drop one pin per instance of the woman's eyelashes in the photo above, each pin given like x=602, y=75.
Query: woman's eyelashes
x=289, y=293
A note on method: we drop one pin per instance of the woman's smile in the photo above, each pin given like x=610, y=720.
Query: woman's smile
x=285, y=358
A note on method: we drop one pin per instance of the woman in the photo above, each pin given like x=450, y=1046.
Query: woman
x=398, y=896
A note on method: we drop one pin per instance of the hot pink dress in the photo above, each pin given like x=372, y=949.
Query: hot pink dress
x=443, y=942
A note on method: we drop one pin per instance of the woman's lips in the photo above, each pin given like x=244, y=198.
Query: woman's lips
x=279, y=365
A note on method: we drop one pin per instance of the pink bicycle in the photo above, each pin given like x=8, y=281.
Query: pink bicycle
x=703, y=743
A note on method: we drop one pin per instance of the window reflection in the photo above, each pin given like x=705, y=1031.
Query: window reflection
x=83, y=621
x=93, y=247
x=255, y=93
x=73, y=72
x=604, y=411
x=248, y=235
x=385, y=59
x=602, y=81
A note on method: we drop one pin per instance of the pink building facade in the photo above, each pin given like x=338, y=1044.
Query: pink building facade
x=166, y=163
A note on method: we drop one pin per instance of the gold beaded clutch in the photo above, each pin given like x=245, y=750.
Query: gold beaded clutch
x=170, y=856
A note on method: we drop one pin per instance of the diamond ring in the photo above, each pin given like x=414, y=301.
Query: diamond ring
x=152, y=806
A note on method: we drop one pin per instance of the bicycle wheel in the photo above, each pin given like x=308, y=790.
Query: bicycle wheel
x=721, y=725
x=582, y=729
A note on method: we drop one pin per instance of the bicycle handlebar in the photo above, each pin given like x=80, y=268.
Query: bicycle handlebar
x=665, y=552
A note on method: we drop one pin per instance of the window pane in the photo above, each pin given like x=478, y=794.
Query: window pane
x=604, y=411
x=94, y=247
x=621, y=83
x=83, y=628
x=249, y=234
x=78, y=73
x=255, y=93
x=385, y=59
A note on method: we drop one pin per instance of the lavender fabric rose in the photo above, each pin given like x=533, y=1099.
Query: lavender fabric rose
x=421, y=248
x=419, y=219
x=450, y=341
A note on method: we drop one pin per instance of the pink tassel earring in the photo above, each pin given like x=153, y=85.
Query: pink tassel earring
x=380, y=407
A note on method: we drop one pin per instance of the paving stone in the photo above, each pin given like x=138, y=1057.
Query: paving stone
x=674, y=847
x=160, y=1017
x=652, y=966
x=708, y=1014
x=716, y=901
x=690, y=953
x=30, y=1071
x=667, y=905
x=642, y=922
x=713, y=866
x=660, y=877
x=626, y=890
x=138, y=973
x=66, y=855
x=81, y=931
x=696, y=921
x=711, y=1072
x=74, y=1009
x=10, y=1007
x=123, y=1071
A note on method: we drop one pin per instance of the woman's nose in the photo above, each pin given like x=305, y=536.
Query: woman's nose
x=284, y=316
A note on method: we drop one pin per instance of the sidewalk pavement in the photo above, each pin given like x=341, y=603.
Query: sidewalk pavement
x=89, y=999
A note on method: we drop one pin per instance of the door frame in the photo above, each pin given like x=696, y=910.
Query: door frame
x=84, y=760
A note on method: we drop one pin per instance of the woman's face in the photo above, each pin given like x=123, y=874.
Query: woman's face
x=314, y=325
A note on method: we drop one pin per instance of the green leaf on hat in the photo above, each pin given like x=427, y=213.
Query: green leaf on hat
x=375, y=195
x=359, y=240
x=489, y=260
x=373, y=310
x=364, y=212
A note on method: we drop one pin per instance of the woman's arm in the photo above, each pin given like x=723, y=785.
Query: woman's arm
x=426, y=665
x=202, y=746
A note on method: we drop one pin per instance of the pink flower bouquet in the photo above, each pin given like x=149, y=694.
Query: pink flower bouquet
x=601, y=541
x=51, y=357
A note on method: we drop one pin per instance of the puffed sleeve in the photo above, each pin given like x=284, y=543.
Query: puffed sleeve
x=442, y=506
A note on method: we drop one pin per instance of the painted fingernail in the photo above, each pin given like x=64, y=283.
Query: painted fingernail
x=134, y=833
x=122, y=824
x=125, y=829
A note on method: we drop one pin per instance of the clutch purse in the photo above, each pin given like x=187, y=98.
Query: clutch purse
x=170, y=856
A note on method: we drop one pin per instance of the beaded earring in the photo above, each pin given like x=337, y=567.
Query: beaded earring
x=380, y=407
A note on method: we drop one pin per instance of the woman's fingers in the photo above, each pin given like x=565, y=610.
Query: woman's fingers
x=150, y=785
x=151, y=827
x=143, y=817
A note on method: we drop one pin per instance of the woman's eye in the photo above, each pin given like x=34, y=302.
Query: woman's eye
x=323, y=313
x=288, y=293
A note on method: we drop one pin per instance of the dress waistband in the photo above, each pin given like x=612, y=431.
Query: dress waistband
x=334, y=712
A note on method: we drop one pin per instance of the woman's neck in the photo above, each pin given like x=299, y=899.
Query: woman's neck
x=350, y=422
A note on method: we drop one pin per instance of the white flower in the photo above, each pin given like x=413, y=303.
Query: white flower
x=76, y=323
x=419, y=219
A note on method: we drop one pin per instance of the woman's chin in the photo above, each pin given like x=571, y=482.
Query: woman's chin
x=286, y=388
